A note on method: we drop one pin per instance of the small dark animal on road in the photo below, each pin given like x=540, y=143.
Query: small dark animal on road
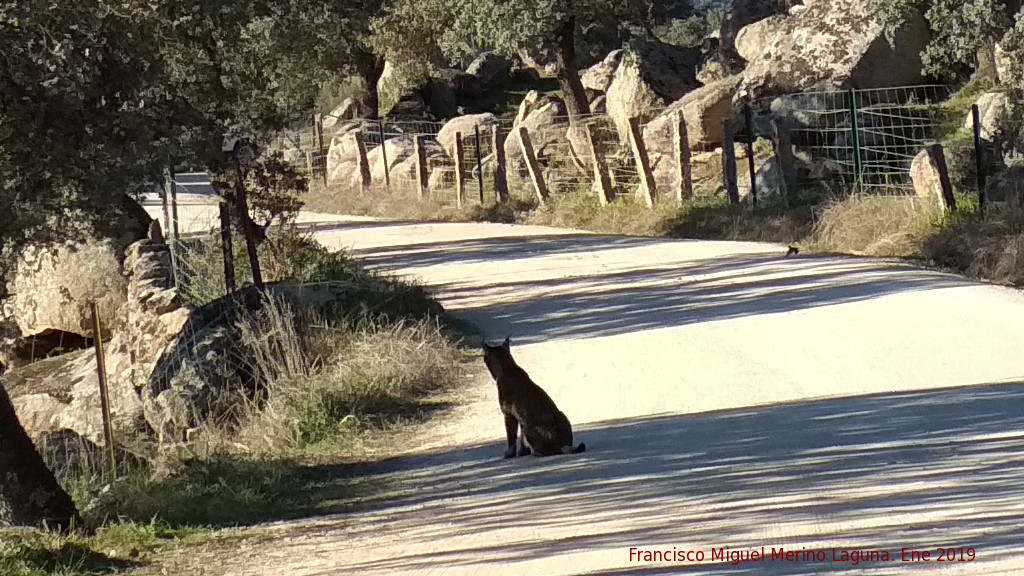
x=531, y=417
x=793, y=251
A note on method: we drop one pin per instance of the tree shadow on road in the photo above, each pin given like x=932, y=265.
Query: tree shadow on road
x=919, y=470
x=501, y=248
x=690, y=289
x=652, y=298
x=691, y=284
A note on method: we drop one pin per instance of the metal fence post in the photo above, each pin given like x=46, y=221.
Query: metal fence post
x=479, y=164
x=979, y=156
x=101, y=376
x=171, y=220
x=174, y=232
x=165, y=200
x=748, y=118
x=729, y=162
x=858, y=168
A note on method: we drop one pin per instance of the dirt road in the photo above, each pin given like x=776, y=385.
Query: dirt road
x=731, y=400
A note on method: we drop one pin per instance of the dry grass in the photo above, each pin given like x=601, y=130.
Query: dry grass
x=338, y=379
x=331, y=386
x=989, y=247
x=625, y=215
x=870, y=225
x=403, y=203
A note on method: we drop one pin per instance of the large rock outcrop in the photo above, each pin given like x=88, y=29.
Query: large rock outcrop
x=599, y=76
x=992, y=111
x=830, y=45
x=705, y=110
x=465, y=125
x=630, y=96
x=49, y=287
x=738, y=15
x=343, y=151
x=545, y=121
x=63, y=392
x=52, y=287
x=637, y=82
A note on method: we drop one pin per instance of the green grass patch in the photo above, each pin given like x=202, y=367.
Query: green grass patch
x=114, y=548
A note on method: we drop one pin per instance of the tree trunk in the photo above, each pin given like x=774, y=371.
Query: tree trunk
x=986, y=63
x=370, y=69
x=576, y=103
x=29, y=493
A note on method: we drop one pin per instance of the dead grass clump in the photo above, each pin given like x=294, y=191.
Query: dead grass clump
x=989, y=247
x=716, y=219
x=323, y=382
x=870, y=225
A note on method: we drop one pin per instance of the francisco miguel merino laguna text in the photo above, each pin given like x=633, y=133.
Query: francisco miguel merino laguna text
x=853, y=557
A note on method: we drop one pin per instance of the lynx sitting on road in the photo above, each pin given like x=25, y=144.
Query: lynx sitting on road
x=545, y=431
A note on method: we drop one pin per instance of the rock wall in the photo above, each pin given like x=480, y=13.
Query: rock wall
x=63, y=392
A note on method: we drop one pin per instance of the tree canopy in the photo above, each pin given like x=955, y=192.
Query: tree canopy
x=98, y=96
x=411, y=32
x=961, y=29
x=965, y=34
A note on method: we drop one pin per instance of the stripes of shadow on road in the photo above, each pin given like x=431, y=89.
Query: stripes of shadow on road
x=880, y=472
x=627, y=299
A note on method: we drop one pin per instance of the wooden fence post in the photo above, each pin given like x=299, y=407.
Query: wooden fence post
x=643, y=163
x=419, y=145
x=601, y=179
x=500, y=171
x=532, y=166
x=320, y=146
x=685, y=190
x=101, y=376
x=242, y=206
x=227, y=250
x=384, y=153
x=364, y=164
x=748, y=120
x=729, y=163
x=479, y=163
x=784, y=152
x=460, y=171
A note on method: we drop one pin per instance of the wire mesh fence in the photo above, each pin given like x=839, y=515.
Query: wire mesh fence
x=864, y=139
x=468, y=168
x=200, y=229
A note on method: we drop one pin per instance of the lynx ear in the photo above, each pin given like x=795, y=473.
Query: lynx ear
x=508, y=341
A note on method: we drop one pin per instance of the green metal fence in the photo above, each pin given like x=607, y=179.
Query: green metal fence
x=865, y=138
